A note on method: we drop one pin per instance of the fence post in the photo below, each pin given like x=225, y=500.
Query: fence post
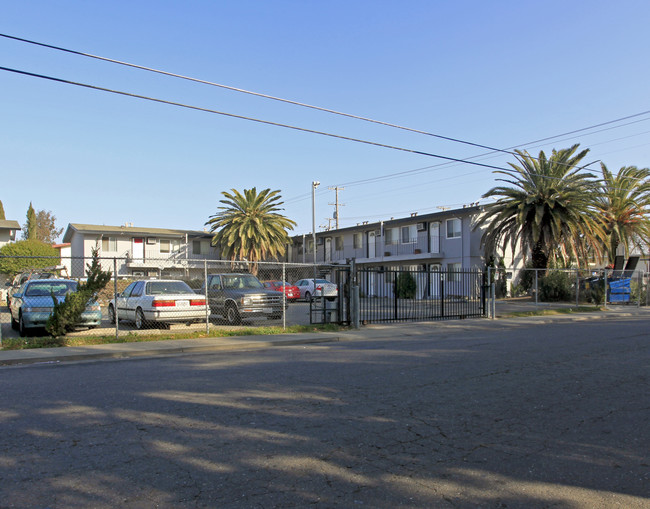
x=577, y=288
x=284, y=296
x=605, y=282
x=117, y=319
x=536, y=287
x=489, y=285
x=207, y=304
x=638, y=285
x=493, y=300
x=394, y=278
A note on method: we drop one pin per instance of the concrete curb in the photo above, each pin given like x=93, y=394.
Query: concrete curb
x=234, y=343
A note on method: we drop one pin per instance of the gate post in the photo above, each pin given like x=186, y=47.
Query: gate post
x=354, y=306
x=353, y=284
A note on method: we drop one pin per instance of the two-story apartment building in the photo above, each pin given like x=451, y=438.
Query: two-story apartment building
x=8, y=231
x=439, y=239
x=437, y=243
x=138, y=251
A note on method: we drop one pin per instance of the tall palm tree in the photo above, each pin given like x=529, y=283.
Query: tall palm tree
x=547, y=210
x=249, y=227
x=625, y=206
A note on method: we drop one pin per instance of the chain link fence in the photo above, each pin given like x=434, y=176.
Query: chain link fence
x=153, y=295
x=571, y=287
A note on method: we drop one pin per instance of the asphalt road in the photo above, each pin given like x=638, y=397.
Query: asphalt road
x=470, y=415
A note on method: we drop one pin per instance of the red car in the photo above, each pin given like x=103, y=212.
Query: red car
x=292, y=292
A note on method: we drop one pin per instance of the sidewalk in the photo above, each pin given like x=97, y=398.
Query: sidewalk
x=238, y=343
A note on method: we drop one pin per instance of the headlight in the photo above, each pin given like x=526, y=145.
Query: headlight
x=95, y=307
x=246, y=301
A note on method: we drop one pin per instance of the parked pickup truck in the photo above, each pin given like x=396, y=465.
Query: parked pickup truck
x=241, y=296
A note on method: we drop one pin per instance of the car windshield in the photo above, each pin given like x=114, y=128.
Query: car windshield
x=280, y=283
x=46, y=288
x=167, y=287
x=241, y=282
x=323, y=282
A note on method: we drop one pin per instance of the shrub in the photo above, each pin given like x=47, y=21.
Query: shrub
x=405, y=286
x=67, y=314
x=555, y=287
x=27, y=254
x=595, y=291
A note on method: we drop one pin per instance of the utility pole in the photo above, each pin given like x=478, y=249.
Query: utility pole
x=337, y=204
x=329, y=224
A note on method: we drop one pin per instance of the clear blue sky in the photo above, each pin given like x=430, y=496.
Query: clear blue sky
x=499, y=73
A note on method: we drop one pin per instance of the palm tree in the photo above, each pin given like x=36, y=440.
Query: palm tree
x=547, y=210
x=624, y=204
x=249, y=227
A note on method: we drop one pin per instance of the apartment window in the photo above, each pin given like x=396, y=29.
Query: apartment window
x=109, y=244
x=453, y=228
x=357, y=241
x=338, y=243
x=200, y=247
x=169, y=246
x=453, y=272
x=392, y=235
x=409, y=234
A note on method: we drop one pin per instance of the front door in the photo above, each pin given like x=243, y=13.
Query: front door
x=138, y=249
x=434, y=236
x=328, y=250
x=434, y=280
x=371, y=245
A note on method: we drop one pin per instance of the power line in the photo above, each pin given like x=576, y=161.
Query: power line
x=252, y=119
x=249, y=92
x=310, y=106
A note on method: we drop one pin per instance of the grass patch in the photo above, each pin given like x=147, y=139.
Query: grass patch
x=555, y=311
x=132, y=337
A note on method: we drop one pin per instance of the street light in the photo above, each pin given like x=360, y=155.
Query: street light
x=314, y=185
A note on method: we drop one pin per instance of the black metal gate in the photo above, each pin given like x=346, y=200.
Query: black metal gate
x=336, y=310
x=408, y=295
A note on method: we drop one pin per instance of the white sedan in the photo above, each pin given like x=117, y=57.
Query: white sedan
x=322, y=288
x=158, y=301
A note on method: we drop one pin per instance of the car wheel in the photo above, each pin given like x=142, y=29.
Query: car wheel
x=111, y=314
x=232, y=315
x=21, y=327
x=14, y=324
x=140, y=322
x=308, y=296
x=331, y=299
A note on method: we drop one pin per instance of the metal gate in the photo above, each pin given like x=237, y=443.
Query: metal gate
x=336, y=310
x=408, y=295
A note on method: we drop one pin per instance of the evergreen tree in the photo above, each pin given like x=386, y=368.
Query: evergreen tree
x=67, y=314
x=29, y=230
x=2, y=212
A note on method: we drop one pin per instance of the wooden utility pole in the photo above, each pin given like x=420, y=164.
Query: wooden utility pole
x=337, y=204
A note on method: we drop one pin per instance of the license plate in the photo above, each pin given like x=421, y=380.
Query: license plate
x=268, y=310
x=182, y=303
